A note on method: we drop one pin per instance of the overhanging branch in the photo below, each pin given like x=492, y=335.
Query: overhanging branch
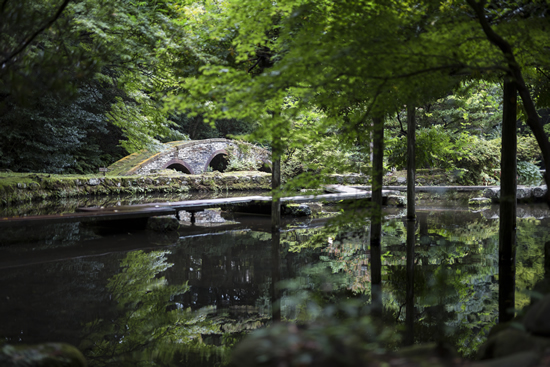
x=514, y=70
x=31, y=38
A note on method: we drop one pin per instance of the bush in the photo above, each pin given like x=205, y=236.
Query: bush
x=528, y=149
x=479, y=158
x=434, y=149
x=529, y=174
x=475, y=158
x=240, y=164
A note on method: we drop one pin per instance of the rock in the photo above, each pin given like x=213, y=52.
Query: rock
x=492, y=193
x=536, y=320
x=41, y=355
x=540, y=191
x=395, y=200
x=93, y=181
x=430, y=354
x=21, y=185
x=401, y=180
x=298, y=210
x=479, y=201
x=523, y=192
x=524, y=359
x=507, y=342
x=163, y=223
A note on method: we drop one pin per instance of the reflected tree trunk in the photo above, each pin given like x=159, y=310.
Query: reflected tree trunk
x=508, y=186
x=547, y=259
x=411, y=162
x=276, y=201
x=275, y=236
x=275, y=275
x=409, y=315
x=376, y=214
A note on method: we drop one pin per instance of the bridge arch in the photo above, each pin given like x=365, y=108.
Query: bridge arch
x=218, y=159
x=179, y=165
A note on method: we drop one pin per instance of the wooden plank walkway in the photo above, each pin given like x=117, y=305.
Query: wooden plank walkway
x=128, y=212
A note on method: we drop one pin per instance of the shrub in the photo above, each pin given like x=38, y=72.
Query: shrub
x=528, y=174
x=528, y=149
x=434, y=149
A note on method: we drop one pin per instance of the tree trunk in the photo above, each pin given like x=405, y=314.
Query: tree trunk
x=409, y=298
x=411, y=162
x=275, y=276
x=276, y=201
x=376, y=213
x=508, y=186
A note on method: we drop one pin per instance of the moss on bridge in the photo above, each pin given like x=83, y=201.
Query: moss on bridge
x=126, y=164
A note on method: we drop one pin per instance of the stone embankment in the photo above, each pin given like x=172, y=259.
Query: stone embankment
x=523, y=193
x=28, y=187
x=19, y=188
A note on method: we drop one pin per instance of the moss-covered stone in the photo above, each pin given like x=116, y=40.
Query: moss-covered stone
x=297, y=210
x=479, y=201
x=41, y=355
x=20, y=188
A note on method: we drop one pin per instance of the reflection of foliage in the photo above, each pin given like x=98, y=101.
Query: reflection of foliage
x=339, y=328
x=146, y=324
x=531, y=238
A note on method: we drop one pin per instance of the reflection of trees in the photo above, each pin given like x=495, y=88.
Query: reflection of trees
x=531, y=237
x=145, y=324
x=455, y=272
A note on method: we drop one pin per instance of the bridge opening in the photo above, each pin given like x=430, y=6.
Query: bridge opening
x=265, y=168
x=179, y=167
x=219, y=162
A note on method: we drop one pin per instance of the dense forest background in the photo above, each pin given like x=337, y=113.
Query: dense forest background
x=84, y=83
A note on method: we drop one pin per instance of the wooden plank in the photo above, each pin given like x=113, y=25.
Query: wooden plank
x=87, y=216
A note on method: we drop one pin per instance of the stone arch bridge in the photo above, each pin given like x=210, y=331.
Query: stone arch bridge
x=193, y=157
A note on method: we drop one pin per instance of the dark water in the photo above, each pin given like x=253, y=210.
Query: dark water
x=190, y=295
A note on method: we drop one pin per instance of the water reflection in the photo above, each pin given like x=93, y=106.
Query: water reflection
x=439, y=279
x=142, y=322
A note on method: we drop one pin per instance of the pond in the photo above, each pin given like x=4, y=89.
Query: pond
x=190, y=295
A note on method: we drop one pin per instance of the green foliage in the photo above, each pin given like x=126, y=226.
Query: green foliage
x=434, y=148
x=40, y=51
x=474, y=107
x=528, y=149
x=528, y=174
x=196, y=128
x=474, y=159
x=56, y=136
x=241, y=164
x=479, y=158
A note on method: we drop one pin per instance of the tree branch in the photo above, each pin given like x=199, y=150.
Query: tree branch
x=533, y=119
x=28, y=41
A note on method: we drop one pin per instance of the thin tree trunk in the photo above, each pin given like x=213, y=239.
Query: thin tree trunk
x=275, y=276
x=411, y=162
x=508, y=187
x=276, y=201
x=275, y=231
x=376, y=213
x=409, y=298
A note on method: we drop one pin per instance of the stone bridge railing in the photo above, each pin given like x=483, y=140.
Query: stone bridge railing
x=192, y=157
